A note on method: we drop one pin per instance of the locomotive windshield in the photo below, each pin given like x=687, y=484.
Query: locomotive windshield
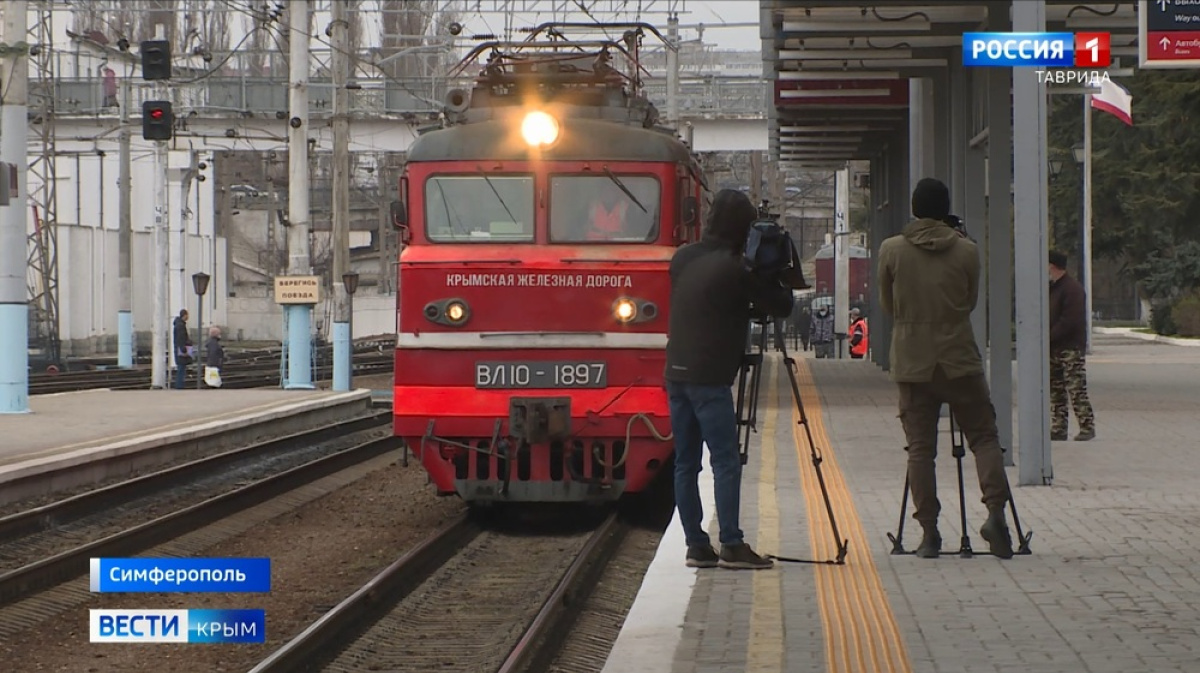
x=479, y=209
x=604, y=209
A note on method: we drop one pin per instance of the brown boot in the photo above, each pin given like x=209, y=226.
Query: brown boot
x=995, y=531
x=931, y=542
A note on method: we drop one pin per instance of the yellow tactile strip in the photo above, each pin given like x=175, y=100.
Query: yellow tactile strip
x=764, y=651
x=861, y=634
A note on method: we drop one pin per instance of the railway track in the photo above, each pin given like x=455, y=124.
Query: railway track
x=243, y=369
x=44, y=547
x=467, y=599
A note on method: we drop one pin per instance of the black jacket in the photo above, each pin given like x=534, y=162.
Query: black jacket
x=711, y=294
x=181, y=340
x=214, y=354
x=1068, y=315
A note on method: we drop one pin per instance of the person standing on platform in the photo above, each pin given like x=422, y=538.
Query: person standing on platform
x=929, y=284
x=711, y=296
x=1068, y=343
x=821, y=332
x=802, y=323
x=214, y=357
x=858, y=335
x=184, y=350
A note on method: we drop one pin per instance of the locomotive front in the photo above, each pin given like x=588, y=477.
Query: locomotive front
x=532, y=311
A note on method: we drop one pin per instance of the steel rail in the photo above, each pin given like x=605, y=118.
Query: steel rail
x=381, y=593
x=535, y=651
x=23, y=581
x=68, y=509
x=392, y=585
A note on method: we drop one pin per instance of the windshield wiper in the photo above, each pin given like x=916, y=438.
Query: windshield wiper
x=512, y=217
x=625, y=189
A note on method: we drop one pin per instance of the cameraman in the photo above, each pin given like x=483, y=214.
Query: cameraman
x=711, y=295
x=929, y=284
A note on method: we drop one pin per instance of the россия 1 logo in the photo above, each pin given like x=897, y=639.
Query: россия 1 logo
x=1044, y=50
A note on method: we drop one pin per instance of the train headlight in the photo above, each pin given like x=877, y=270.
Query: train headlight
x=450, y=312
x=624, y=310
x=539, y=129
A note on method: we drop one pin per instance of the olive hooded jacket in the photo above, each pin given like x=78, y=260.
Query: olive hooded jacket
x=929, y=284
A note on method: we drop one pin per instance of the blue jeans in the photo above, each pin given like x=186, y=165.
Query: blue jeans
x=705, y=414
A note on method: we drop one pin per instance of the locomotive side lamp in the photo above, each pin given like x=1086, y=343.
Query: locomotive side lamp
x=539, y=129
x=624, y=310
x=451, y=312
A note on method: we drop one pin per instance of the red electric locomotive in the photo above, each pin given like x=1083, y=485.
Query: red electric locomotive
x=540, y=219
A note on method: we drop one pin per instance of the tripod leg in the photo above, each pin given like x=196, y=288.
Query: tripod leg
x=898, y=538
x=958, y=448
x=743, y=418
x=747, y=407
x=842, y=545
x=1022, y=538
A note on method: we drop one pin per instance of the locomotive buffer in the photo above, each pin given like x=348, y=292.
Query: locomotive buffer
x=749, y=381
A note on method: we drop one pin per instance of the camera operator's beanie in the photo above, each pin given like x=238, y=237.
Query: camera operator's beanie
x=730, y=218
x=1058, y=259
x=931, y=199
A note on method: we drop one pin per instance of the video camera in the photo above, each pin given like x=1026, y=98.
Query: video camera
x=955, y=222
x=770, y=252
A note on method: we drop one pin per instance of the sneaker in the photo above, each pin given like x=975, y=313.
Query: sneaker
x=1058, y=436
x=1084, y=435
x=931, y=544
x=742, y=557
x=995, y=531
x=702, y=557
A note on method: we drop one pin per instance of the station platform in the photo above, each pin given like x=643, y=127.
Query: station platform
x=87, y=436
x=1112, y=585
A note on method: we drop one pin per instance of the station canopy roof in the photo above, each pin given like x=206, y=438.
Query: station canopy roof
x=840, y=68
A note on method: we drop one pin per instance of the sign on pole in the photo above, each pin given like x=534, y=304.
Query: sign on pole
x=297, y=289
x=1169, y=34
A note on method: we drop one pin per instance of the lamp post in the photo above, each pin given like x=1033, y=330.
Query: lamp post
x=1080, y=152
x=1056, y=166
x=200, y=284
x=350, y=282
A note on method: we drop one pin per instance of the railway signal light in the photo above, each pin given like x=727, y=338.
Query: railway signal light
x=157, y=120
x=156, y=60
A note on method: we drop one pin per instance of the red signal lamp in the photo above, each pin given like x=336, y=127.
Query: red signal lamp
x=157, y=120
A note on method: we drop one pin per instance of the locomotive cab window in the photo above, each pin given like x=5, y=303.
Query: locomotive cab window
x=604, y=209
x=479, y=209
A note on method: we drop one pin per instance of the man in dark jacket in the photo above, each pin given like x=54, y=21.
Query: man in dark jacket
x=929, y=284
x=183, y=344
x=711, y=297
x=802, y=323
x=1068, y=343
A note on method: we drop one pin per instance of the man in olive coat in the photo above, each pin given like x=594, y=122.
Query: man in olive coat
x=929, y=284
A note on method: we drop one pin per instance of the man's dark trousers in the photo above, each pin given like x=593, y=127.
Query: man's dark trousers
x=970, y=402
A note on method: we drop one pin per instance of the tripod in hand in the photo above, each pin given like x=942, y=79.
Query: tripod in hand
x=747, y=412
x=958, y=450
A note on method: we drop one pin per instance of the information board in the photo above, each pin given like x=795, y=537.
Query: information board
x=1169, y=34
x=297, y=289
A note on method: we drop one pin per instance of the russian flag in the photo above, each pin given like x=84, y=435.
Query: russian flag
x=1115, y=100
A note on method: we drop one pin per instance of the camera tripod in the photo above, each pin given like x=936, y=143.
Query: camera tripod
x=958, y=450
x=749, y=379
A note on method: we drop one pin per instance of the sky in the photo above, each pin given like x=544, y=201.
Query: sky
x=711, y=13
